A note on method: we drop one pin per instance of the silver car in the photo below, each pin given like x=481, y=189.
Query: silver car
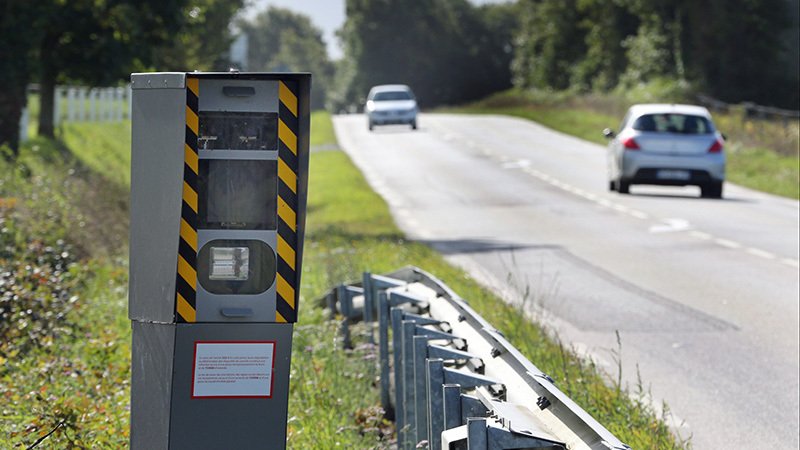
x=667, y=144
x=391, y=104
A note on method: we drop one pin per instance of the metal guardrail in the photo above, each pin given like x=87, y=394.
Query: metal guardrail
x=750, y=109
x=457, y=382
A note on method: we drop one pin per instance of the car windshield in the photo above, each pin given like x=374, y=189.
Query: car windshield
x=673, y=123
x=391, y=95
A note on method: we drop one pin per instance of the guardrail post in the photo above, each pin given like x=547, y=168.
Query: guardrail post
x=369, y=297
x=452, y=405
x=410, y=420
x=330, y=301
x=435, y=378
x=397, y=356
x=344, y=304
x=476, y=434
x=420, y=350
x=383, y=342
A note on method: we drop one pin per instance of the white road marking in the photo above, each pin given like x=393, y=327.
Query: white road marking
x=521, y=164
x=791, y=262
x=727, y=243
x=761, y=253
x=666, y=225
x=670, y=225
x=700, y=235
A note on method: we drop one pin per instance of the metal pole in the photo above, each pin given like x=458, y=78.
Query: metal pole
x=330, y=300
x=369, y=297
x=397, y=353
x=341, y=295
x=452, y=405
x=409, y=420
x=420, y=407
x=383, y=342
x=476, y=434
x=435, y=379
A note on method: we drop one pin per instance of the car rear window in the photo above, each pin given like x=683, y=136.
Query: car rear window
x=673, y=123
x=391, y=95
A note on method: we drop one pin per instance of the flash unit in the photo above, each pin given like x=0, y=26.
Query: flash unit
x=229, y=263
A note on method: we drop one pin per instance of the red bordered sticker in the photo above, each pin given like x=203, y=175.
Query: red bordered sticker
x=233, y=369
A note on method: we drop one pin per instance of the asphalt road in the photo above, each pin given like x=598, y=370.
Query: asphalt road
x=703, y=292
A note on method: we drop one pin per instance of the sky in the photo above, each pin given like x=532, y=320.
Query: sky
x=328, y=15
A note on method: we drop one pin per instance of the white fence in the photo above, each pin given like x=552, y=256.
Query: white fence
x=83, y=104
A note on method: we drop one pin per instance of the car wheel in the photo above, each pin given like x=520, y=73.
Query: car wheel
x=623, y=187
x=371, y=126
x=711, y=190
x=612, y=186
x=414, y=125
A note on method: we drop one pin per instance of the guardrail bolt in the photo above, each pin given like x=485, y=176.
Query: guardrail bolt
x=543, y=402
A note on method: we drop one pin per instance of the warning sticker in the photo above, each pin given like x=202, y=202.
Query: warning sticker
x=233, y=369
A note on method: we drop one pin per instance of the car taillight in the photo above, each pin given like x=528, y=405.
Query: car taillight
x=716, y=147
x=630, y=144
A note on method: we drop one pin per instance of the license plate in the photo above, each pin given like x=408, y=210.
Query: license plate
x=673, y=174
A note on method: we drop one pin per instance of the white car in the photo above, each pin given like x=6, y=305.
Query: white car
x=391, y=104
x=667, y=144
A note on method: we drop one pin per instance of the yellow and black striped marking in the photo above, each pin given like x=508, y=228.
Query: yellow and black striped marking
x=186, y=287
x=286, y=279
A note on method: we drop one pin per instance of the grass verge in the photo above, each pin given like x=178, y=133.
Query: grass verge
x=762, y=154
x=65, y=358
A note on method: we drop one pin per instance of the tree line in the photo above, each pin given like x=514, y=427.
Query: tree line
x=448, y=51
x=100, y=42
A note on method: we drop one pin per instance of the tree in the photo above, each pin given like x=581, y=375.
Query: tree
x=549, y=44
x=604, y=25
x=98, y=42
x=281, y=40
x=15, y=46
x=204, y=39
x=94, y=40
x=736, y=50
x=448, y=51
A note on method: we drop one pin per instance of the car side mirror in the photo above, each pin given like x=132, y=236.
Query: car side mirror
x=608, y=132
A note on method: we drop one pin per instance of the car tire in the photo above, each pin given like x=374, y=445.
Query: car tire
x=414, y=125
x=612, y=185
x=623, y=187
x=711, y=190
x=371, y=126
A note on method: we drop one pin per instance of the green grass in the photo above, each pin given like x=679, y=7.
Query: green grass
x=322, y=129
x=762, y=154
x=66, y=367
x=104, y=149
x=765, y=170
x=363, y=238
